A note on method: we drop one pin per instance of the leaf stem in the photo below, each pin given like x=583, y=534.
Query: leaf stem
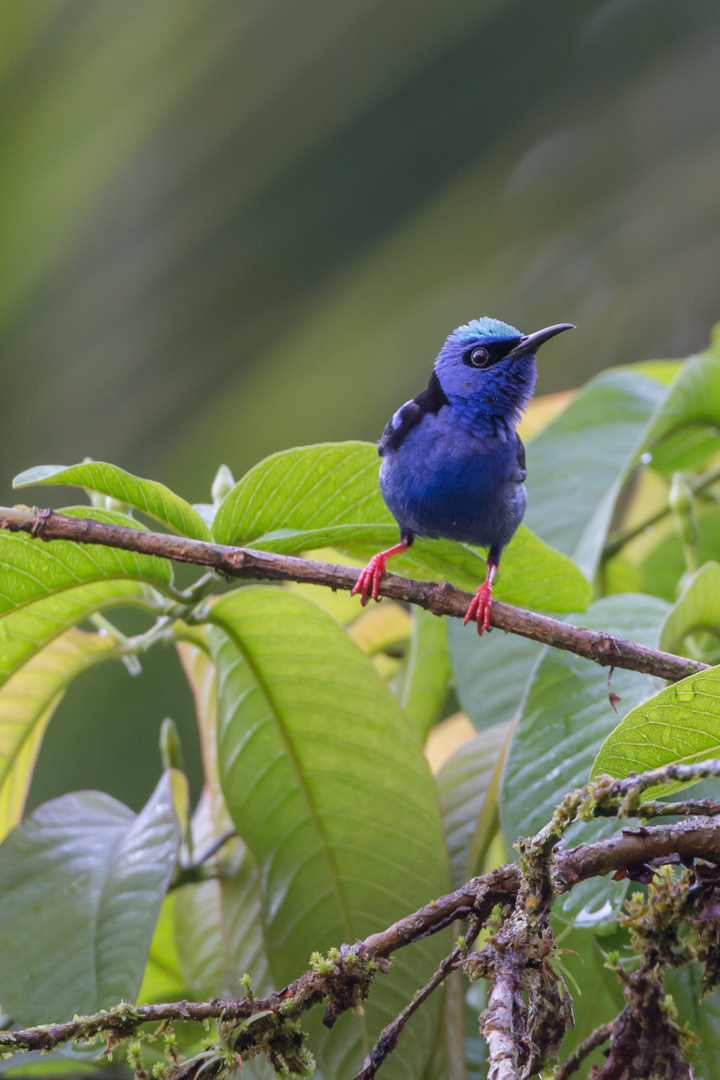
x=617, y=540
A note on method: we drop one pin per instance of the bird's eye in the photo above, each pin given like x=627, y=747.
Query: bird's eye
x=479, y=357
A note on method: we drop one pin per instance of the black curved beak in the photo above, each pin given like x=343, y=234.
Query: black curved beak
x=532, y=342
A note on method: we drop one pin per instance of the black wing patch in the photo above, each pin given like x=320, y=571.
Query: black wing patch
x=431, y=400
x=522, y=469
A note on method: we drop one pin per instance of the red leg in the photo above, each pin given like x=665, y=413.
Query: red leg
x=369, y=579
x=482, y=601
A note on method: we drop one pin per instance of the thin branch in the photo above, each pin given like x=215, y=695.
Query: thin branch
x=702, y=807
x=442, y=599
x=581, y=1051
x=390, y=1035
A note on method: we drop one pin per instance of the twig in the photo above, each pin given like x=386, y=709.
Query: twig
x=390, y=1035
x=581, y=1051
x=701, y=807
x=442, y=599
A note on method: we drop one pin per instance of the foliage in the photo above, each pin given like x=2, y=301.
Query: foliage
x=321, y=821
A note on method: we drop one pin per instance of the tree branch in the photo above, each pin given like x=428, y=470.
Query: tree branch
x=442, y=599
x=338, y=980
x=498, y=1023
x=389, y=1036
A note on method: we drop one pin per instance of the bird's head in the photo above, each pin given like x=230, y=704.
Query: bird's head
x=487, y=371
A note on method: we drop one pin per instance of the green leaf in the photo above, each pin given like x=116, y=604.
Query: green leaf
x=218, y=923
x=163, y=978
x=565, y=717
x=692, y=403
x=83, y=880
x=309, y=487
x=491, y=677
x=427, y=672
x=380, y=627
x=463, y=782
x=328, y=495
x=697, y=609
x=24, y=632
x=679, y=725
x=27, y=702
x=702, y=1017
x=326, y=782
x=579, y=462
x=147, y=496
x=32, y=569
x=48, y=587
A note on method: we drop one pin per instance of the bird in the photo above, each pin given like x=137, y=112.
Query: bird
x=453, y=465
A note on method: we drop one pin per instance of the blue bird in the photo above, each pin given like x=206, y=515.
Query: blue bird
x=453, y=464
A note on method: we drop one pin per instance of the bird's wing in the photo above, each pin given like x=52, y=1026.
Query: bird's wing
x=522, y=468
x=411, y=413
x=407, y=416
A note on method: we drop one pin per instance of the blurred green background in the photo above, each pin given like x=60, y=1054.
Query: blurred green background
x=231, y=227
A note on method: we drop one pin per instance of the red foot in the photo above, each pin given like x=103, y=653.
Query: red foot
x=482, y=602
x=480, y=607
x=369, y=580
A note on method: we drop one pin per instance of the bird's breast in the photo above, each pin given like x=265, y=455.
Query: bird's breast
x=442, y=481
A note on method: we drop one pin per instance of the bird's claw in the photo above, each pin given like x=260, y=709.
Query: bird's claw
x=480, y=608
x=369, y=579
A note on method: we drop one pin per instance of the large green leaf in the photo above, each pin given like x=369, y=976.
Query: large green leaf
x=681, y=724
x=24, y=632
x=328, y=495
x=693, y=402
x=427, y=671
x=151, y=498
x=579, y=462
x=565, y=717
x=326, y=782
x=684, y=433
x=218, y=923
x=698, y=609
x=82, y=881
x=463, y=782
x=163, y=978
x=309, y=487
x=32, y=569
x=27, y=702
x=491, y=680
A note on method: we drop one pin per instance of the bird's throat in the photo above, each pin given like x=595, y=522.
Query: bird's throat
x=494, y=409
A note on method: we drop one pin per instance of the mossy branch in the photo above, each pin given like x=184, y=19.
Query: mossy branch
x=343, y=979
